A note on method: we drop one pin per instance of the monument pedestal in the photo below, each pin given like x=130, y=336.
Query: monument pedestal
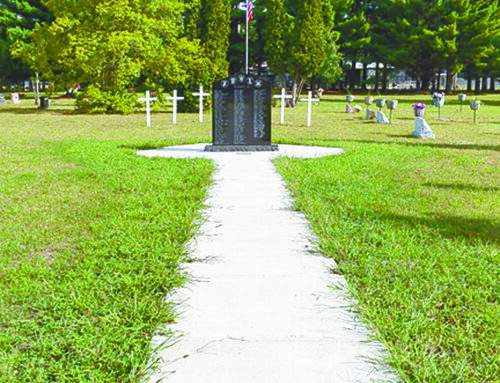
x=241, y=148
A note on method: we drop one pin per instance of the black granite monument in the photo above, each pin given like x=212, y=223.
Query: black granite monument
x=241, y=114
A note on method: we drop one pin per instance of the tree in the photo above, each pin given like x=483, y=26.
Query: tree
x=256, y=51
x=479, y=29
x=207, y=23
x=17, y=21
x=276, y=34
x=110, y=46
x=214, y=27
x=353, y=27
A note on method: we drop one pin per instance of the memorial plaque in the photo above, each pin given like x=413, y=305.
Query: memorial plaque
x=241, y=114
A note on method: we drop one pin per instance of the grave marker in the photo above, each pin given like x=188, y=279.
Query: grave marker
x=200, y=94
x=241, y=114
x=148, y=100
x=174, y=98
x=14, y=98
x=309, y=100
x=282, y=97
x=2, y=99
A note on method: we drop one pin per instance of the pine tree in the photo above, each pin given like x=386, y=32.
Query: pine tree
x=276, y=34
x=215, y=18
x=307, y=48
x=17, y=21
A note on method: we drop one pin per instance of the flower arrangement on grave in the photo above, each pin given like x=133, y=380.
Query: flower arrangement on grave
x=462, y=97
x=392, y=104
x=438, y=99
x=475, y=105
x=349, y=97
x=368, y=98
x=357, y=108
x=380, y=102
x=419, y=109
x=319, y=92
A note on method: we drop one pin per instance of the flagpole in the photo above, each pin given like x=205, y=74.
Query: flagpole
x=246, y=40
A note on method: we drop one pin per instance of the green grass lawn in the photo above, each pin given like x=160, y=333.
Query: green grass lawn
x=91, y=235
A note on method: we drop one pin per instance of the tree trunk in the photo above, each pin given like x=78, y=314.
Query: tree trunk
x=417, y=84
x=376, y=75
x=469, y=83
x=449, y=80
x=477, y=88
x=384, y=79
x=37, y=90
x=484, y=88
x=352, y=80
x=492, y=84
x=365, y=75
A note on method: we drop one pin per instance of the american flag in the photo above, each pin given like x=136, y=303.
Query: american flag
x=249, y=10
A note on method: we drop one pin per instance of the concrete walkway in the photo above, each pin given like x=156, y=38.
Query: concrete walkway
x=260, y=306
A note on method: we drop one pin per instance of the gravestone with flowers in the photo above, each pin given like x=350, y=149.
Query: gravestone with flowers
x=422, y=128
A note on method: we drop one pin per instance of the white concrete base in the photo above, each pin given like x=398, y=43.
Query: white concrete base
x=381, y=118
x=422, y=129
x=260, y=306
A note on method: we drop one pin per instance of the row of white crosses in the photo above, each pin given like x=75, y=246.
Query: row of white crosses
x=283, y=96
x=174, y=99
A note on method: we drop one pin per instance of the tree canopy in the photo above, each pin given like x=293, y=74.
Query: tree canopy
x=114, y=46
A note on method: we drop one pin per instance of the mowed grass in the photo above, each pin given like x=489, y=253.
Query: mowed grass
x=414, y=226
x=92, y=235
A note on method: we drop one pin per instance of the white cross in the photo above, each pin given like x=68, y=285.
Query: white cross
x=283, y=96
x=148, y=107
x=200, y=94
x=309, y=100
x=174, y=98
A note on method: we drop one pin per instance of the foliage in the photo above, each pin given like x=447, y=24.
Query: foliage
x=300, y=40
x=17, y=20
x=206, y=22
x=113, y=45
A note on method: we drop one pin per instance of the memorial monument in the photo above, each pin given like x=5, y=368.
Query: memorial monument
x=241, y=114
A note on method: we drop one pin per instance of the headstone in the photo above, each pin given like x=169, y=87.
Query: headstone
x=174, y=99
x=357, y=108
x=14, y=98
x=349, y=109
x=148, y=100
x=309, y=101
x=200, y=94
x=422, y=129
x=282, y=97
x=44, y=103
x=369, y=113
x=381, y=118
x=241, y=114
x=2, y=99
